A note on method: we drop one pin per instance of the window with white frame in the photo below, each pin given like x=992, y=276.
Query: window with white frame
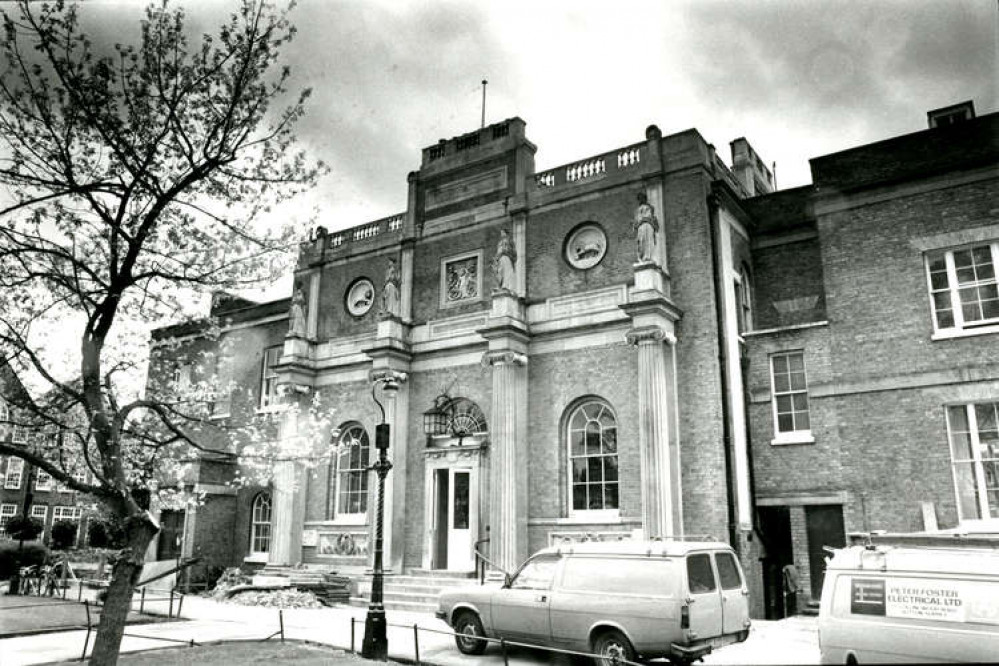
x=268, y=377
x=7, y=511
x=743, y=302
x=260, y=524
x=39, y=511
x=19, y=434
x=963, y=287
x=222, y=404
x=591, y=436
x=790, y=397
x=43, y=480
x=15, y=470
x=349, y=476
x=974, y=448
x=5, y=426
x=66, y=513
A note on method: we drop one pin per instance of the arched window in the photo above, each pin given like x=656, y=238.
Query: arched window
x=591, y=435
x=349, y=474
x=260, y=524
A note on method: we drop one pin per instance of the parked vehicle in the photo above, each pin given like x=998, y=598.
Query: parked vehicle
x=634, y=600
x=912, y=599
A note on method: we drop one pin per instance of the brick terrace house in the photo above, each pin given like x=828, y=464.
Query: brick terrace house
x=644, y=343
x=50, y=501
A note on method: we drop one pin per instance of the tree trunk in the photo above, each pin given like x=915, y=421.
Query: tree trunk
x=139, y=532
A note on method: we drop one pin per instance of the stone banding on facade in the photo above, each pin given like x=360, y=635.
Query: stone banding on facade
x=684, y=356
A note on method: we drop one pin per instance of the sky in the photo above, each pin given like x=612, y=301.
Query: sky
x=798, y=78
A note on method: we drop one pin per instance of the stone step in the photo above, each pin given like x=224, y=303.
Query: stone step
x=411, y=606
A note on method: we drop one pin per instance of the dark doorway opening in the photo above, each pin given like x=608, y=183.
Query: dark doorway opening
x=824, y=526
x=441, y=491
x=775, y=524
x=171, y=534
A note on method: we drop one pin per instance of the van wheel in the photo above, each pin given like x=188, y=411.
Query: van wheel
x=611, y=646
x=468, y=623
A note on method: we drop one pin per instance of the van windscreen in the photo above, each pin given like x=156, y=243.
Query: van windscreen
x=618, y=576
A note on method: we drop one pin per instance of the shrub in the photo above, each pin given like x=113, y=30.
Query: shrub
x=24, y=528
x=104, y=534
x=63, y=534
x=11, y=559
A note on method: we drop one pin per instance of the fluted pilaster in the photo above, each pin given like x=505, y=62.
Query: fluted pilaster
x=508, y=471
x=654, y=397
x=286, y=527
x=395, y=399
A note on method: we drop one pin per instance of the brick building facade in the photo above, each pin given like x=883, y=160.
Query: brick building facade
x=22, y=484
x=647, y=342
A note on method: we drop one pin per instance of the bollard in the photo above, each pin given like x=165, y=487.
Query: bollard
x=170, y=610
x=416, y=643
x=180, y=605
x=281, y=622
x=142, y=600
x=86, y=640
x=79, y=587
x=503, y=647
x=352, y=635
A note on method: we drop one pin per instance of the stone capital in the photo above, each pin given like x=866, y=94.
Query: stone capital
x=391, y=379
x=504, y=358
x=649, y=334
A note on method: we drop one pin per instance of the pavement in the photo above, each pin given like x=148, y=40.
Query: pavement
x=411, y=636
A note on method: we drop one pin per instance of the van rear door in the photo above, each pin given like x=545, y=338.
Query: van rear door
x=704, y=598
x=735, y=595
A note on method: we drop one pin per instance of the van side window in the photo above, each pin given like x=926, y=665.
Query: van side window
x=728, y=571
x=617, y=576
x=700, y=575
x=536, y=574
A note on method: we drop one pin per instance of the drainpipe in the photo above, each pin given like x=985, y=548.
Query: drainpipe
x=719, y=316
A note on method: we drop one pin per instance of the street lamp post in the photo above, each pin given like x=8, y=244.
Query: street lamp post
x=375, y=645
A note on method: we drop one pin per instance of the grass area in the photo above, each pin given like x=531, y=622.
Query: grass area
x=27, y=614
x=243, y=653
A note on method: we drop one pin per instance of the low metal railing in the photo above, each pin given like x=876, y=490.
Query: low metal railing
x=502, y=642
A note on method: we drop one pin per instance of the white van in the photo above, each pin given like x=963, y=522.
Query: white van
x=912, y=598
x=633, y=600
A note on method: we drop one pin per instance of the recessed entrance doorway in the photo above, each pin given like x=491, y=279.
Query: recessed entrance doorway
x=452, y=519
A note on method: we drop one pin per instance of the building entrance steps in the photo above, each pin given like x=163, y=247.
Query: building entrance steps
x=416, y=591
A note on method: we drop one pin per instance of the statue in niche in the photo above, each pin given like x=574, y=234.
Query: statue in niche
x=646, y=229
x=505, y=263
x=390, y=292
x=296, y=315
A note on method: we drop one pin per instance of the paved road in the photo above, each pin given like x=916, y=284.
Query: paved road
x=791, y=641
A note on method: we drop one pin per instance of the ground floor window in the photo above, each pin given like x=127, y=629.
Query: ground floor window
x=7, y=511
x=593, y=472
x=260, y=529
x=349, y=479
x=974, y=447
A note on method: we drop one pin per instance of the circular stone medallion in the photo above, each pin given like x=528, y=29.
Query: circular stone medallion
x=586, y=246
x=360, y=297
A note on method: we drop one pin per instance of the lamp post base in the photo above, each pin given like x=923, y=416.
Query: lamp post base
x=375, y=645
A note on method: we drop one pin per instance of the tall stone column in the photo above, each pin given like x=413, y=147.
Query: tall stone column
x=654, y=397
x=394, y=394
x=508, y=464
x=653, y=318
x=287, y=514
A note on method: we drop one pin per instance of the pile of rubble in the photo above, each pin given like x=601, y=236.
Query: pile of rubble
x=286, y=598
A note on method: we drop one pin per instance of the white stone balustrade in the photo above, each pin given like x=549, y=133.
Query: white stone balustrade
x=585, y=169
x=628, y=157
